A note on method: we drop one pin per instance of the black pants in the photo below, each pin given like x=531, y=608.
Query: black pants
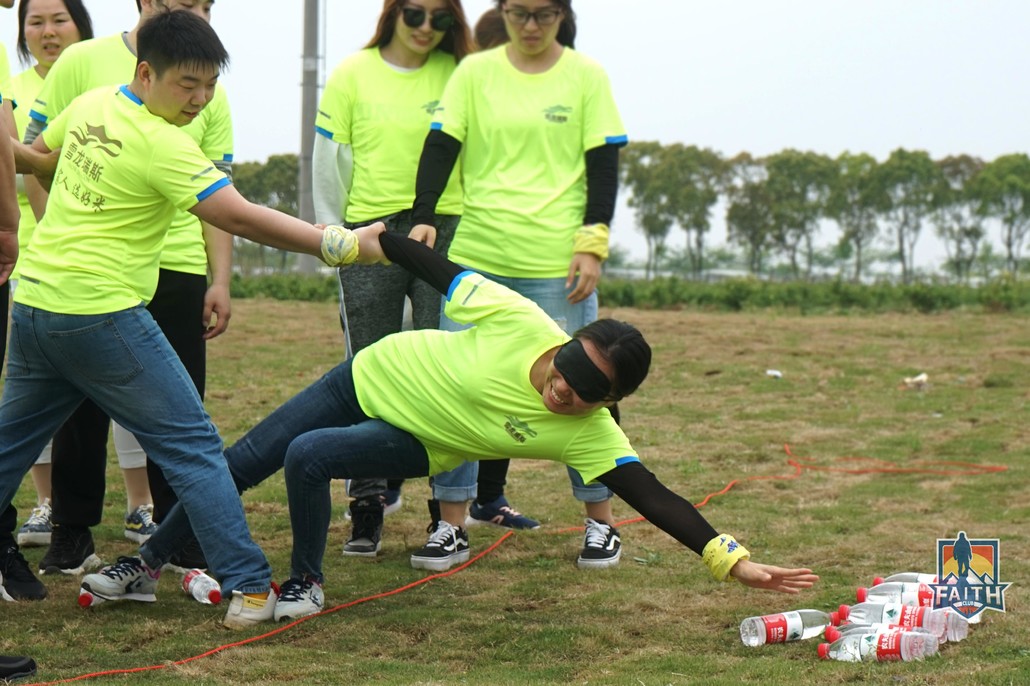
x=80, y=446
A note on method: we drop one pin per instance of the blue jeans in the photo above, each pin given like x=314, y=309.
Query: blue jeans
x=459, y=484
x=123, y=363
x=318, y=435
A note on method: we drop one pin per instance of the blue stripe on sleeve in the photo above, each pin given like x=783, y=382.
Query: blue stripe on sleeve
x=324, y=132
x=227, y=158
x=220, y=183
x=33, y=114
x=626, y=460
x=456, y=281
x=617, y=140
x=436, y=126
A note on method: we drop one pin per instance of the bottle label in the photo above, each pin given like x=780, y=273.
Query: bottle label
x=911, y=617
x=783, y=627
x=188, y=579
x=888, y=646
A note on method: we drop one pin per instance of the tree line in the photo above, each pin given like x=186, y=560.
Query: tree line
x=776, y=204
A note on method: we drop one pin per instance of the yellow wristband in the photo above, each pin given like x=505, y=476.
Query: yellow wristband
x=592, y=238
x=339, y=246
x=721, y=553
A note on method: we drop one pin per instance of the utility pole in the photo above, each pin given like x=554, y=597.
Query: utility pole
x=309, y=105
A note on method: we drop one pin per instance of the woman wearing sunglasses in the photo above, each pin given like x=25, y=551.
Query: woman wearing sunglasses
x=538, y=133
x=371, y=122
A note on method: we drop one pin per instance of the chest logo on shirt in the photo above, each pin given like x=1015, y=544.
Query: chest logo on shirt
x=82, y=164
x=518, y=429
x=557, y=114
x=96, y=137
x=432, y=107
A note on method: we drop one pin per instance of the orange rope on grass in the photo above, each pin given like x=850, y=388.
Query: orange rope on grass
x=878, y=466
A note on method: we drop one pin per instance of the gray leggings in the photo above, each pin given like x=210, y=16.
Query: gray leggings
x=372, y=305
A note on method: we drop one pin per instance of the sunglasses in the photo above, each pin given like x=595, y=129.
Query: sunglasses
x=414, y=17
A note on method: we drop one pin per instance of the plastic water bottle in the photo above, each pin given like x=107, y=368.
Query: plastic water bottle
x=891, y=646
x=918, y=578
x=906, y=593
x=785, y=626
x=203, y=588
x=833, y=633
x=891, y=613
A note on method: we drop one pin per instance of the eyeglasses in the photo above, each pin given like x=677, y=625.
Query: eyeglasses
x=414, y=17
x=544, y=17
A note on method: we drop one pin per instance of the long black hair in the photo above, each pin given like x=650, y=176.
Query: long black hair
x=78, y=13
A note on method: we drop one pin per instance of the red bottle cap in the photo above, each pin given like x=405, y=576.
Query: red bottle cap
x=861, y=594
x=832, y=634
x=215, y=596
x=877, y=581
x=843, y=611
x=824, y=651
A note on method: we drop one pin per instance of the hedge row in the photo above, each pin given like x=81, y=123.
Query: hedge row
x=1003, y=294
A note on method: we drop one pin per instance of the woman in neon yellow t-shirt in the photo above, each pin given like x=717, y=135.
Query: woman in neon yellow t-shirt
x=46, y=28
x=538, y=133
x=371, y=123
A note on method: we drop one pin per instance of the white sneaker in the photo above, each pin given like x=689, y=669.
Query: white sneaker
x=139, y=524
x=602, y=546
x=299, y=598
x=446, y=547
x=37, y=528
x=128, y=579
x=245, y=610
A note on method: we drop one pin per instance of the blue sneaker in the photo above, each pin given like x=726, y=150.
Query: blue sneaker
x=499, y=513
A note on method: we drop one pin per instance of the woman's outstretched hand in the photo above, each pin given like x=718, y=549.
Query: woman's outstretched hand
x=781, y=579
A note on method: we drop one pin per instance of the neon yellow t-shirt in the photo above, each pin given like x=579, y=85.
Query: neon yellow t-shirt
x=524, y=140
x=6, y=88
x=384, y=116
x=24, y=86
x=109, y=61
x=121, y=175
x=467, y=395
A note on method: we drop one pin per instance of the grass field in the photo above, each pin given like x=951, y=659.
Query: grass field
x=708, y=415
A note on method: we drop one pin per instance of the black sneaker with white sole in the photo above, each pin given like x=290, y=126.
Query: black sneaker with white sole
x=71, y=552
x=17, y=581
x=602, y=546
x=366, y=535
x=447, y=546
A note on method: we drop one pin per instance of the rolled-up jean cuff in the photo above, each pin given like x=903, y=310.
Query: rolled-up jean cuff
x=593, y=493
x=458, y=485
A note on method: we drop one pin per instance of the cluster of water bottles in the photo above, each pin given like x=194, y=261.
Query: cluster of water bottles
x=892, y=620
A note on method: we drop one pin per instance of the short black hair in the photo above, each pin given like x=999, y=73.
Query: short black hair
x=76, y=10
x=176, y=39
x=624, y=347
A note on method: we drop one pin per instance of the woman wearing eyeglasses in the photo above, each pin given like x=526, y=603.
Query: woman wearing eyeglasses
x=538, y=133
x=371, y=122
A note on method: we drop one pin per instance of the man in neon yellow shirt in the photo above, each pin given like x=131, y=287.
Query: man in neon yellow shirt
x=79, y=325
x=182, y=303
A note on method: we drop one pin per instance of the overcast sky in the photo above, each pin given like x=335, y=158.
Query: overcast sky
x=749, y=75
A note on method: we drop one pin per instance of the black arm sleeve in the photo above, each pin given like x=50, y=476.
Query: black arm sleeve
x=420, y=260
x=602, y=184
x=439, y=155
x=671, y=513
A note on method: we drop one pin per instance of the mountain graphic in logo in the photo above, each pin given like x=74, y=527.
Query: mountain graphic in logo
x=96, y=137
